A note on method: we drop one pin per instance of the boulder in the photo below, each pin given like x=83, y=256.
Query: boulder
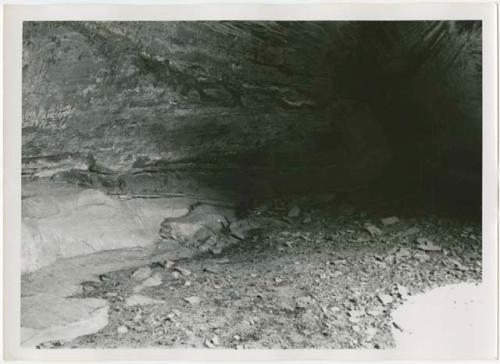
x=204, y=224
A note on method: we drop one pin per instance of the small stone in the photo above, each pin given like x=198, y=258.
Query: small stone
x=427, y=245
x=138, y=317
x=193, y=300
x=140, y=300
x=390, y=220
x=111, y=294
x=356, y=292
x=374, y=312
x=337, y=274
x=304, y=301
x=354, y=320
x=88, y=287
x=104, y=278
x=402, y=291
x=457, y=265
x=215, y=340
x=208, y=344
x=141, y=274
x=373, y=230
x=392, y=251
x=385, y=298
x=422, y=257
x=370, y=333
x=397, y=326
x=307, y=220
x=187, y=283
x=389, y=259
x=169, y=264
x=185, y=272
x=237, y=337
x=411, y=231
x=122, y=329
x=156, y=264
x=222, y=261
x=356, y=313
x=216, y=250
x=49, y=345
x=152, y=281
x=278, y=280
x=210, y=269
x=294, y=212
x=403, y=253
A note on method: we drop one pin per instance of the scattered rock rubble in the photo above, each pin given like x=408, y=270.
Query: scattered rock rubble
x=330, y=283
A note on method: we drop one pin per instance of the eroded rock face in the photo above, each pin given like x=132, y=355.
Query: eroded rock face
x=162, y=107
x=61, y=221
x=214, y=108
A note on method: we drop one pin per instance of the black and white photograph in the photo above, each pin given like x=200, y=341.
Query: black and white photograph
x=253, y=184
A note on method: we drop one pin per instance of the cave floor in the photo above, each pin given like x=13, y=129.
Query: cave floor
x=320, y=283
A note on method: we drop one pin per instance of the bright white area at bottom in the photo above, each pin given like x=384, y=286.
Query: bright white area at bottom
x=447, y=322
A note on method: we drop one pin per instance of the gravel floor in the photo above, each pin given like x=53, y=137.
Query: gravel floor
x=315, y=281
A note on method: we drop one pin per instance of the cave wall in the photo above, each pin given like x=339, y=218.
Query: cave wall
x=215, y=109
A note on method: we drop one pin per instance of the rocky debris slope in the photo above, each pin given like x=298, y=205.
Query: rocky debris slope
x=324, y=281
x=46, y=311
x=73, y=237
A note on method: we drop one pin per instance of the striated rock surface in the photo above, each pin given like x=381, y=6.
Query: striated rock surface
x=221, y=109
x=164, y=107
